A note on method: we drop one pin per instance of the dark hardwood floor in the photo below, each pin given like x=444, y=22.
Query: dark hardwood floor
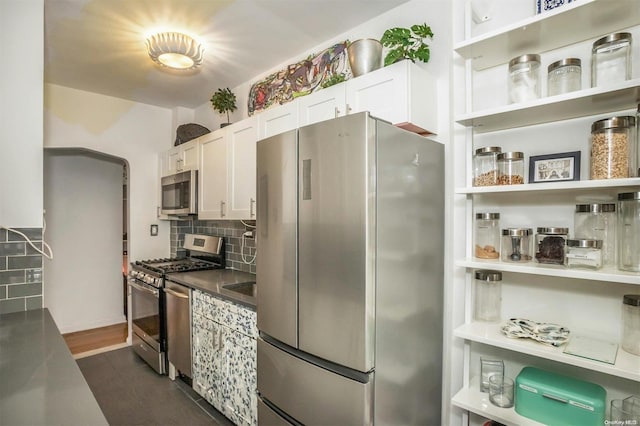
x=97, y=338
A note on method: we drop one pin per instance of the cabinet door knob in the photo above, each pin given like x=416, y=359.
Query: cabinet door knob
x=336, y=112
x=222, y=204
x=251, y=204
x=348, y=109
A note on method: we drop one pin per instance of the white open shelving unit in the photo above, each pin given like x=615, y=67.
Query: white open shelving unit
x=583, y=22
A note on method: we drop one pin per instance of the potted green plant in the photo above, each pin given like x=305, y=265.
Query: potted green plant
x=224, y=101
x=407, y=43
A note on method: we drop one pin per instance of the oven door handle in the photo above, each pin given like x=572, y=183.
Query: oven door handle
x=143, y=288
x=176, y=294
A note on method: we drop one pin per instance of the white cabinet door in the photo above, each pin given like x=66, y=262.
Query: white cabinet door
x=322, y=105
x=241, y=166
x=189, y=155
x=403, y=94
x=212, y=176
x=278, y=120
x=170, y=160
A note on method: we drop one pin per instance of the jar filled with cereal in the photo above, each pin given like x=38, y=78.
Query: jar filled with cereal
x=613, y=148
x=485, y=166
x=510, y=168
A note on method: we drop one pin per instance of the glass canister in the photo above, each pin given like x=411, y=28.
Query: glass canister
x=487, y=236
x=611, y=59
x=524, y=78
x=550, y=244
x=629, y=231
x=613, y=148
x=510, y=168
x=597, y=221
x=631, y=323
x=488, y=295
x=485, y=166
x=517, y=244
x=584, y=253
x=564, y=76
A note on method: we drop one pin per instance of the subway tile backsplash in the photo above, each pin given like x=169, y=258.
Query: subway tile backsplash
x=20, y=271
x=231, y=230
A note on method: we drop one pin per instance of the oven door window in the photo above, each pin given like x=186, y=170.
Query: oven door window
x=145, y=311
x=175, y=196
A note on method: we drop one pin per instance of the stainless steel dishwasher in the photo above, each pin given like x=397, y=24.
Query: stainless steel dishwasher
x=178, y=327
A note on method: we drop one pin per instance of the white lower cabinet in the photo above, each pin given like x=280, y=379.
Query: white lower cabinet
x=225, y=357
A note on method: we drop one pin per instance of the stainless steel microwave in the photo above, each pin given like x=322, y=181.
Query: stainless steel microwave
x=180, y=193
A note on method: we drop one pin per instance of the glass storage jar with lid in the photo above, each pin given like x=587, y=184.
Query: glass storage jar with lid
x=631, y=323
x=597, y=221
x=564, y=76
x=488, y=295
x=584, y=253
x=510, y=168
x=517, y=245
x=485, y=166
x=629, y=231
x=611, y=59
x=524, y=78
x=487, y=236
x=550, y=244
x=613, y=148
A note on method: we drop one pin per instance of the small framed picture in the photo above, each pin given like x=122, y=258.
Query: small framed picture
x=554, y=167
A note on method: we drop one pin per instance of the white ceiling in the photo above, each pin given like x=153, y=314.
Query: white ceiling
x=98, y=45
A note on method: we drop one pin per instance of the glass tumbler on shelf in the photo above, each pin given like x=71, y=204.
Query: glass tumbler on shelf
x=550, y=245
x=564, y=76
x=629, y=231
x=488, y=296
x=510, y=168
x=485, y=166
x=614, y=148
x=524, y=78
x=517, y=245
x=611, y=59
x=597, y=221
x=487, y=236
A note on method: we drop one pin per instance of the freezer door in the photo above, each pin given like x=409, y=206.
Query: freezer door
x=276, y=237
x=336, y=206
x=309, y=393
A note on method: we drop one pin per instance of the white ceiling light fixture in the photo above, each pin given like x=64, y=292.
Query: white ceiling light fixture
x=175, y=50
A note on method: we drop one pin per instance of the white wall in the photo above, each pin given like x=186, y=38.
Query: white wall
x=21, y=50
x=83, y=199
x=132, y=131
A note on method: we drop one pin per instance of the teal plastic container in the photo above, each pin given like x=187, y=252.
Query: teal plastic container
x=558, y=400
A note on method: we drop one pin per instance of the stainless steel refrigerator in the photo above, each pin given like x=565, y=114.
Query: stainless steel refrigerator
x=350, y=241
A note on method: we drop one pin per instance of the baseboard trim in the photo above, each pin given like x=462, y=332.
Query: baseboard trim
x=101, y=350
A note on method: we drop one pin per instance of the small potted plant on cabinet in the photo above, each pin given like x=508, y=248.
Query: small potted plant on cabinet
x=224, y=101
x=407, y=43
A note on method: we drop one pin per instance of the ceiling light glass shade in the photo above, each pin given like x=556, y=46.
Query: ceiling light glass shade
x=175, y=50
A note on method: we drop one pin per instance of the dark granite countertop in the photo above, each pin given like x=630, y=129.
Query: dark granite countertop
x=211, y=281
x=40, y=382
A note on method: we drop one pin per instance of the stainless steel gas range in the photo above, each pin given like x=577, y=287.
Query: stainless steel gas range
x=148, y=299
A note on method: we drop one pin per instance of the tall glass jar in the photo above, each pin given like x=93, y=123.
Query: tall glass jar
x=485, y=166
x=488, y=295
x=631, y=323
x=597, y=221
x=564, y=76
x=629, y=231
x=613, y=148
x=510, y=168
x=550, y=243
x=517, y=245
x=611, y=60
x=524, y=78
x=487, y=236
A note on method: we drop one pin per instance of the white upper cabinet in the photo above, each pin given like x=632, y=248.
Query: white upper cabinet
x=278, y=120
x=403, y=94
x=180, y=158
x=241, y=169
x=322, y=105
x=212, y=175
